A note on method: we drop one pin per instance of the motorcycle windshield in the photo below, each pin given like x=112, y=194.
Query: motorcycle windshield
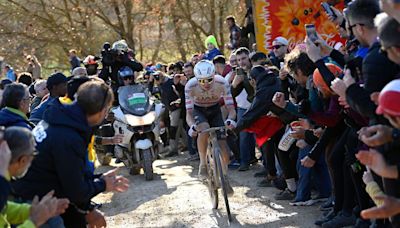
x=134, y=99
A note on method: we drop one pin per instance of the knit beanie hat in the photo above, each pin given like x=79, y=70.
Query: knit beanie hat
x=211, y=39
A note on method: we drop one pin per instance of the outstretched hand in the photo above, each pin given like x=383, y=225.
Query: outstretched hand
x=376, y=162
x=115, y=183
x=390, y=207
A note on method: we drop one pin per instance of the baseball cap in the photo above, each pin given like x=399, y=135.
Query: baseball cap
x=56, y=79
x=79, y=71
x=388, y=99
x=281, y=40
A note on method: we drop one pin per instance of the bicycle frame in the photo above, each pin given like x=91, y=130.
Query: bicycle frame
x=216, y=172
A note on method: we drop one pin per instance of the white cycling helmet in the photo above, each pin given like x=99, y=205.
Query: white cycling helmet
x=204, y=69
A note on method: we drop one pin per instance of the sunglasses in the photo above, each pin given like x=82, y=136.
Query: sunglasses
x=352, y=26
x=384, y=49
x=34, y=153
x=277, y=46
x=205, y=80
x=128, y=78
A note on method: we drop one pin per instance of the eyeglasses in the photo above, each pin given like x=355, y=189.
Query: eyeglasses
x=128, y=78
x=205, y=80
x=352, y=26
x=34, y=153
x=277, y=46
x=384, y=49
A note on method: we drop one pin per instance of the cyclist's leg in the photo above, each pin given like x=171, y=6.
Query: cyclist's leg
x=216, y=120
x=202, y=142
x=202, y=139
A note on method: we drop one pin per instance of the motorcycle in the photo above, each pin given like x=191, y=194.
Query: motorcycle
x=137, y=118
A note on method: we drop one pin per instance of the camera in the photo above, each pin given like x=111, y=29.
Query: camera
x=156, y=76
x=108, y=55
x=240, y=71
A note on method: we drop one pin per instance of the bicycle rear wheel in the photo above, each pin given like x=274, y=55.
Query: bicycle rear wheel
x=211, y=181
x=222, y=177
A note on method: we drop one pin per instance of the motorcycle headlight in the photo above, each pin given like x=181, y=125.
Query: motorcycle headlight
x=147, y=119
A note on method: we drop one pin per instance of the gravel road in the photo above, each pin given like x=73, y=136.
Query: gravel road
x=175, y=198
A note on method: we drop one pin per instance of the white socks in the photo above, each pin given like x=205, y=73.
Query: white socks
x=291, y=184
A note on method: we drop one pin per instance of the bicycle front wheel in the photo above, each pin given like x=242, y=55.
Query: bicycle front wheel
x=222, y=178
x=211, y=181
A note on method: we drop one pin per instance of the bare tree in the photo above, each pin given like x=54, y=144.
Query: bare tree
x=164, y=30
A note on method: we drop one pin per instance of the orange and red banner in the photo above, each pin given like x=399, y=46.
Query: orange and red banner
x=287, y=18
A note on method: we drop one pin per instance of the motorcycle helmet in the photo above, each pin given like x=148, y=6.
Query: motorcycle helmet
x=120, y=46
x=204, y=69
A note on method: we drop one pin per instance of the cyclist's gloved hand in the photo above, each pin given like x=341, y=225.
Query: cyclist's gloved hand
x=192, y=131
x=230, y=123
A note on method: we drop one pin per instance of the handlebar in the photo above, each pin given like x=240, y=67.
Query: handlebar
x=212, y=129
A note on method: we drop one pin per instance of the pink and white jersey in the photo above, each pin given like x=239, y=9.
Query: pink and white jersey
x=195, y=95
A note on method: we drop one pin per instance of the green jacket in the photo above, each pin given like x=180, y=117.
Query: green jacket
x=16, y=213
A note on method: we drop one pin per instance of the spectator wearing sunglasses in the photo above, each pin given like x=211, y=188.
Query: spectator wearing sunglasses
x=279, y=50
x=389, y=33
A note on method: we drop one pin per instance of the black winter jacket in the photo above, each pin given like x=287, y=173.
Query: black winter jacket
x=266, y=87
x=61, y=164
x=377, y=71
x=169, y=94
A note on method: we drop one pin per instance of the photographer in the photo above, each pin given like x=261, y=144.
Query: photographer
x=113, y=59
x=171, y=90
x=243, y=92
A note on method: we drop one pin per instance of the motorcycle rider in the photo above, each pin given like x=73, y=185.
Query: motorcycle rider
x=202, y=95
x=126, y=76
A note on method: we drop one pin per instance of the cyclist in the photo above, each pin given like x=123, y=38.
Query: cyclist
x=202, y=94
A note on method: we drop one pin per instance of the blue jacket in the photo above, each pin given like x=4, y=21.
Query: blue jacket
x=62, y=140
x=37, y=113
x=11, y=75
x=209, y=55
x=12, y=117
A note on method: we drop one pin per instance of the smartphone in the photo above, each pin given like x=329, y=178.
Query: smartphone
x=328, y=9
x=240, y=71
x=311, y=32
x=282, y=65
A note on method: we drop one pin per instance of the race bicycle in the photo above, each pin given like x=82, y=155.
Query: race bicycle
x=216, y=179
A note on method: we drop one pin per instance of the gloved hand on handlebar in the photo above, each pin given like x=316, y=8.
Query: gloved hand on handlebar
x=192, y=131
x=230, y=123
